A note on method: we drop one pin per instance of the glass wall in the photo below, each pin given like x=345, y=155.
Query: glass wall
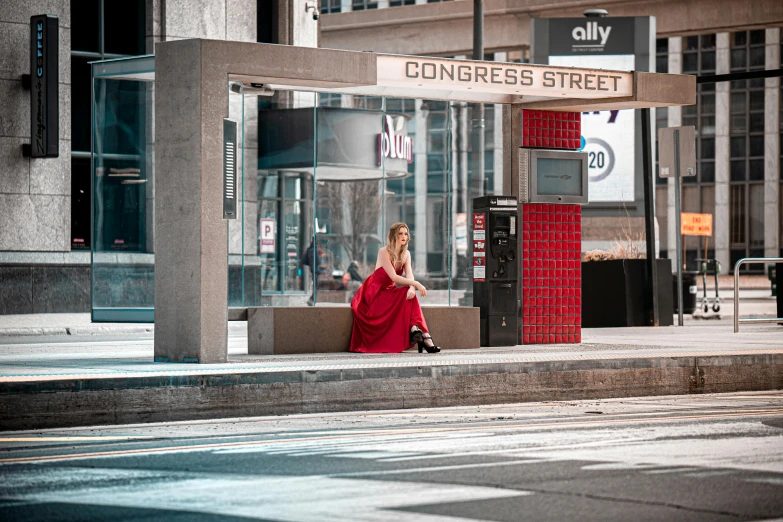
x=122, y=190
x=323, y=185
x=320, y=179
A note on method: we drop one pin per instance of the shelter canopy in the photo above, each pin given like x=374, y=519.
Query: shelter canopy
x=533, y=86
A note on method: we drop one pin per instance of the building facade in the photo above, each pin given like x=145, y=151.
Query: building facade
x=46, y=205
x=738, y=123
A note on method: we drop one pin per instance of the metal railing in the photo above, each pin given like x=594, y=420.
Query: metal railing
x=744, y=261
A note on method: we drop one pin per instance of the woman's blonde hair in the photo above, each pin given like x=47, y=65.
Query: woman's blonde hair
x=396, y=253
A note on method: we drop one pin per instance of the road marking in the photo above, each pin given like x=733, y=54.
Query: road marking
x=96, y=438
x=283, y=498
x=671, y=470
x=394, y=433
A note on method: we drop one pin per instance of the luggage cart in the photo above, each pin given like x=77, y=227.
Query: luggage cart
x=705, y=265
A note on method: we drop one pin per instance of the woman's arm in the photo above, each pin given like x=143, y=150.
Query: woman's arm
x=409, y=273
x=385, y=262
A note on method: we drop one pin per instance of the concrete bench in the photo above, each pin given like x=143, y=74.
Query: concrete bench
x=321, y=329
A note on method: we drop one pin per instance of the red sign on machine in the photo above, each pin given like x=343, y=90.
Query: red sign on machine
x=479, y=247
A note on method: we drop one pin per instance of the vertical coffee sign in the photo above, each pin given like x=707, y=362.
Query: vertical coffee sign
x=44, y=88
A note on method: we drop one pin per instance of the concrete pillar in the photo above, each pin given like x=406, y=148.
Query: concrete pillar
x=512, y=138
x=674, y=120
x=420, y=181
x=772, y=147
x=498, y=132
x=190, y=249
x=191, y=235
x=296, y=24
x=721, y=219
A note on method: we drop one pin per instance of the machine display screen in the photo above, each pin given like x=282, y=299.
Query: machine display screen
x=559, y=177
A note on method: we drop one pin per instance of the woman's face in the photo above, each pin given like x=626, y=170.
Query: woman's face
x=402, y=236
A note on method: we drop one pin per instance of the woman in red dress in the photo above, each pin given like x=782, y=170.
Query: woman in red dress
x=388, y=318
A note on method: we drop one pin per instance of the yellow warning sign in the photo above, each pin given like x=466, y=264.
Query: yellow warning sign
x=695, y=224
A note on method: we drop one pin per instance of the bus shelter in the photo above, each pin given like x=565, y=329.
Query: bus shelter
x=194, y=84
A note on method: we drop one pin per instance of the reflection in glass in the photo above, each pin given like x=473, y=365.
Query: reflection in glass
x=123, y=196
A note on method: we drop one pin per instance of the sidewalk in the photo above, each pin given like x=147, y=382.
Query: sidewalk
x=754, y=302
x=92, y=380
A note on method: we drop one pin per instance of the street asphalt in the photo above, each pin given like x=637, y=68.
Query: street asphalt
x=704, y=457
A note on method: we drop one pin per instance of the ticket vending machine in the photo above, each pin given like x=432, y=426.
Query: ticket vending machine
x=495, y=269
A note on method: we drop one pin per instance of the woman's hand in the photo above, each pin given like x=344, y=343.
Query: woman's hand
x=422, y=290
x=411, y=293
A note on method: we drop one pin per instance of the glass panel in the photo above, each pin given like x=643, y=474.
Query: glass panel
x=737, y=214
x=756, y=206
x=85, y=25
x=691, y=43
x=707, y=103
x=707, y=148
x=757, y=123
x=690, y=63
x=80, y=103
x=81, y=180
x=279, y=259
x=707, y=126
x=757, y=57
x=738, y=147
x=349, y=193
x=757, y=37
x=757, y=146
x=756, y=170
x=123, y=195
x=240, y=243
x=756, y=100
x=739, y=58
x=662, y=45
x=737, y=170
x=662, y=64
x=708, y=61
x=707, y=172
x=738, y=84
x=738, y=124
x=739, y=38
x=707, y=41
x=738, y=103
x=124, y=26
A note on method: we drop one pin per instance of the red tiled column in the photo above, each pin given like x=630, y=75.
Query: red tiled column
x=551, y=243
x=551, y=273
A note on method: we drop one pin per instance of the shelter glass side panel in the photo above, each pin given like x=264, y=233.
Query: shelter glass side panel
x=123, y=200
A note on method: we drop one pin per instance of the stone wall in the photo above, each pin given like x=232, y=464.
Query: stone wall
x=35, y=194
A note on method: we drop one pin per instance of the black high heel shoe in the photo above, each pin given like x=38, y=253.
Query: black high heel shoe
x=423, y=346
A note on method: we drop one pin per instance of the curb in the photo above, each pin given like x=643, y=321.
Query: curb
x=166, y=398
x=78, y=330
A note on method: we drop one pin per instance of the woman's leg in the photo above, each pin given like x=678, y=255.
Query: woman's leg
x=416, y=316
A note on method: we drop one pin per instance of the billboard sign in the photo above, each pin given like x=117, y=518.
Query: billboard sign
x=611, y=139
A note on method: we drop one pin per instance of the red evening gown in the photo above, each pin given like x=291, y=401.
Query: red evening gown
x=383, y=316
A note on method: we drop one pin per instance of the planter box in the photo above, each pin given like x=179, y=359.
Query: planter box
x=613, y=293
